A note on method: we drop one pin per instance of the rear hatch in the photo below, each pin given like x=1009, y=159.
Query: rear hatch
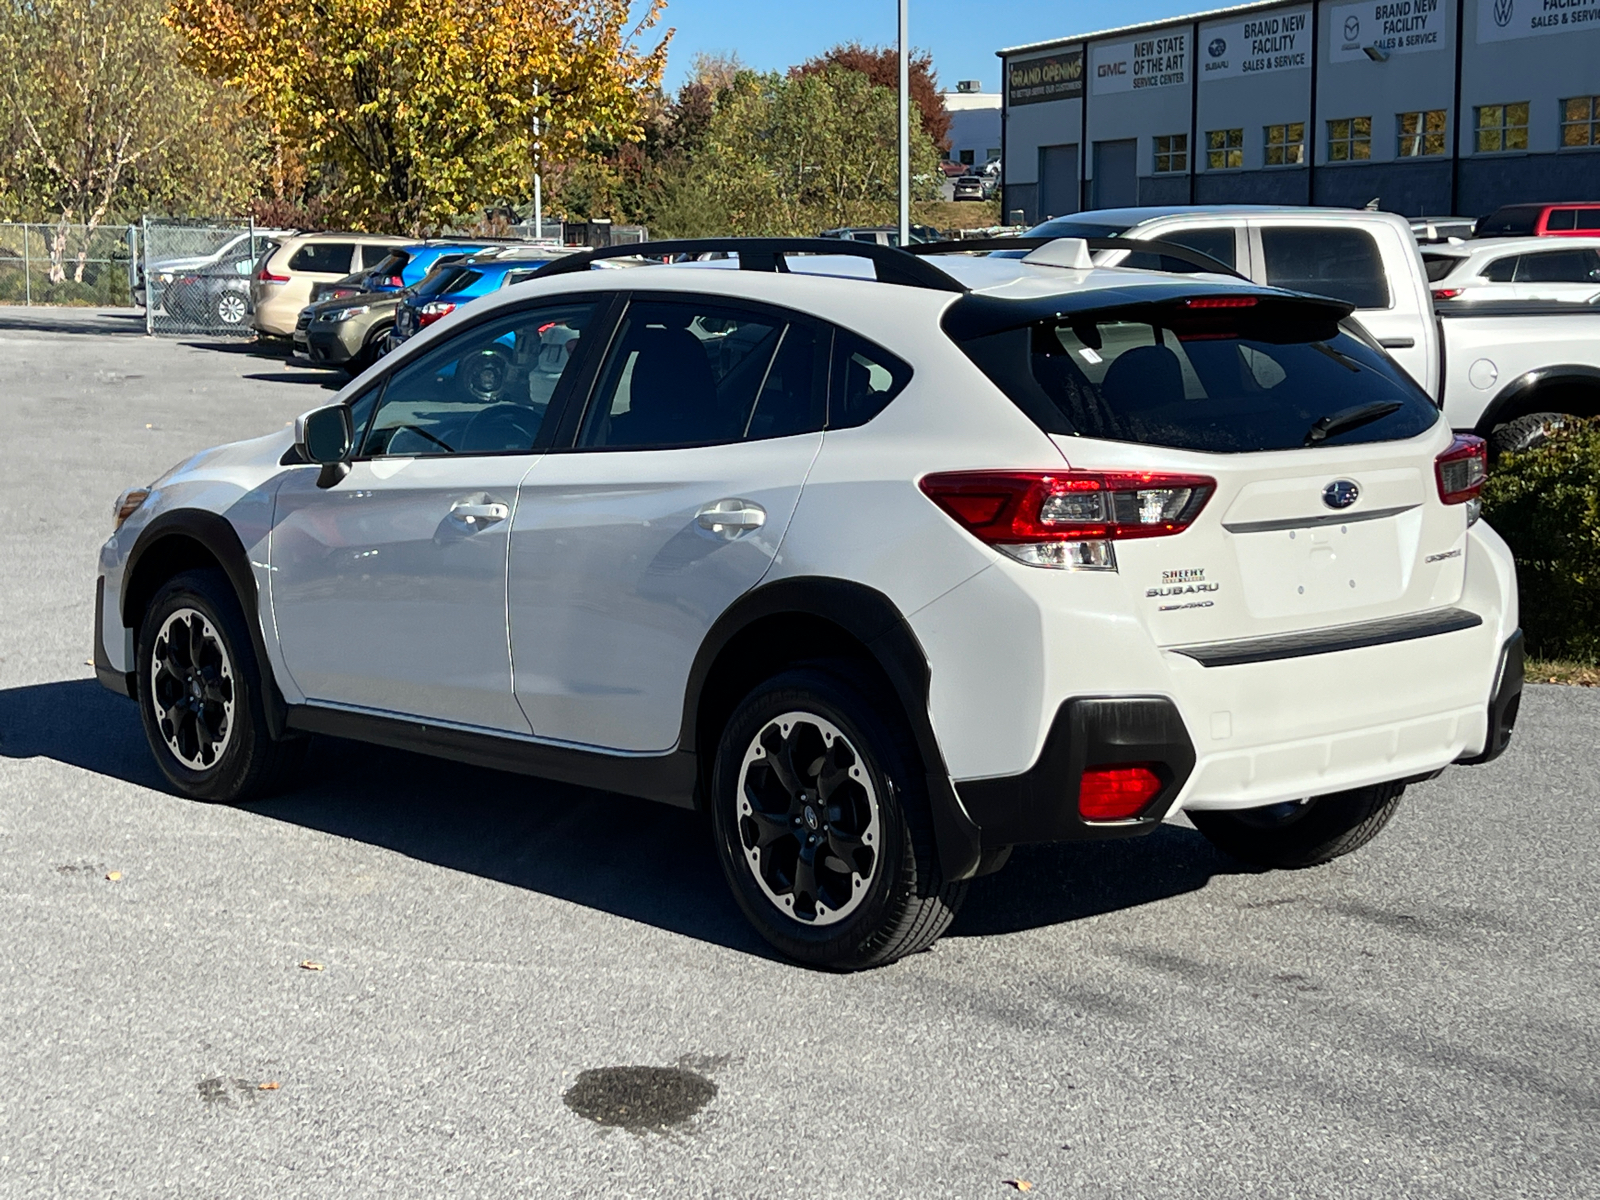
x=1301, y=489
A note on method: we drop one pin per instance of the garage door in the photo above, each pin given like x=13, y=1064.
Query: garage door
x=1058, y=181
x=1116, y=174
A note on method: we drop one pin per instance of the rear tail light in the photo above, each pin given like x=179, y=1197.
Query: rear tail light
x=1117, y=793
x=432, y=311
x=1447, y=293
x=1461, y=471
x=1068, y=519
x=393, y=281
x=266, y=276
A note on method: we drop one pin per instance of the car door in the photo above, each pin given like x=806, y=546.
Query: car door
x=1566, y=274
x=670, y=503
x=388, y=588
x=1228, y=244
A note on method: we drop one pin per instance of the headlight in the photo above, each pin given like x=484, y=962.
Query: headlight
x=127, y=504
x=344, y=314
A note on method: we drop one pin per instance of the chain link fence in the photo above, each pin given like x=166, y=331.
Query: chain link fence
x=195, y=278
x=68, y=264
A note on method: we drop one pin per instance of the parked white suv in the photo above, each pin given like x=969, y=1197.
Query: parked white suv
x=1532, y=268
x=887, y=576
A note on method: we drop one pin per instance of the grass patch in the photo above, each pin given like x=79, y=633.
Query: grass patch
x=1563, y=670
x=952, y=214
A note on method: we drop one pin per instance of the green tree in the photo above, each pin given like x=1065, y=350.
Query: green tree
x=418, y=111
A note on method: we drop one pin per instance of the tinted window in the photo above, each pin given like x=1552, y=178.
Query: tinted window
x=1213, y=243
x=482, y=391
x=329, y=258
x=1439, y=265
x=391, y=263
x=1501, y=270
x=1588, y=218
x=440, y=280
x=1327, y=261
x=1225, y=382
x=1561, y=218
x=865, y=379
x=1559, y=266
x=1514, y=220
x=700, y=373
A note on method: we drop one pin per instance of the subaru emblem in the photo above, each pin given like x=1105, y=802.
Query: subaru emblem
x=1341, y=493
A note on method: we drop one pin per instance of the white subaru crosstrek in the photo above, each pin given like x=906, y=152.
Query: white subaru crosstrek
x=888, y=566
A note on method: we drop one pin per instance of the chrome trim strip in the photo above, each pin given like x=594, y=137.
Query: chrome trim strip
x=1372, y=514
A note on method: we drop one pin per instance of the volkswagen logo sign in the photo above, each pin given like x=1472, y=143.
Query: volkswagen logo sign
x=1341, y=493
x=1503, y=12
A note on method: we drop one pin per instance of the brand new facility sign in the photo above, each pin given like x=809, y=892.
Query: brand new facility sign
x=1161, y=60
x=1278, y=41
x=1053, y=77
x=1389, y=26
x=1502, y=20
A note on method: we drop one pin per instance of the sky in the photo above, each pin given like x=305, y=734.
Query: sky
x=962, y=34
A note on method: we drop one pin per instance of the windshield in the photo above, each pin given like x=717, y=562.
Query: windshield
x=440, y=279
x=1227, y=381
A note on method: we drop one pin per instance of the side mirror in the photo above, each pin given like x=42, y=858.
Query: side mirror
x=324, y=435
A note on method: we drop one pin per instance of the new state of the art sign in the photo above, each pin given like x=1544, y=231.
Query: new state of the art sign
x=1161, y=60
x=1503, y=20
x=1256, y=45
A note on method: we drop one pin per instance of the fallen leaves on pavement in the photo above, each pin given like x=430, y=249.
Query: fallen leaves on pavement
x=308, y=965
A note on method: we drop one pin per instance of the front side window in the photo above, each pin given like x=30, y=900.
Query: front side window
x=1350, y=139
x=1420, y=133
x=484, y=390
x=1580, y=121
x=696, y=373
x=328, y=258
x=1326, y=261
x=1224, y=149
x=1172, y=153
x=1285, y=144
x=1502, y=127
x=1214, y=242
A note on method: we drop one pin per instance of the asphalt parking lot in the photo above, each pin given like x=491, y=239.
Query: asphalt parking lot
x=1141, y=1019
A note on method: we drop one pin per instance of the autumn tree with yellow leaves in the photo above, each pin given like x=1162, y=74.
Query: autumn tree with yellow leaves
x=419, y=111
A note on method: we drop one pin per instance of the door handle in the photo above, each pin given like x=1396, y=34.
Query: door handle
x=730, y=518
x=1397, y=343
x=472, y=513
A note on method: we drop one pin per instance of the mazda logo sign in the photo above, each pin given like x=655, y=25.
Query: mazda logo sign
x=1341, y=493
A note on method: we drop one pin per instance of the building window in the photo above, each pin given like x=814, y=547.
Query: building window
x=1286, y=144
x=1580, y=121
x=966, y=158
x=1350, y=139
x=1172, y=153
x=1502, y=127
x=1421, y=133
x=1224, y=149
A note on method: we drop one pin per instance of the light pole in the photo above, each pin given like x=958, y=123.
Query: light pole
x=905, y=130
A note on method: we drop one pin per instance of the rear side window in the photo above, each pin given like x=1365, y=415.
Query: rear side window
x=1502, y=270
x=1213, y=243
x=330, y=258
x=1559, y=266
x=1327, y=261
x=1230, y=381
x=1439, y=265
x=1588, y=218
x=705, y=373
x=865, y=379
x=1561, y=218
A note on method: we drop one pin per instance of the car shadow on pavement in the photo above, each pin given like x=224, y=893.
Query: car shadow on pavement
x=632, y=858
x=47, y=319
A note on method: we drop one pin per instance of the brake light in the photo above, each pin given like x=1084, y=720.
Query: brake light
x=1220, y=302
x=1117, y=793
x=1068, y=519
x=433, y=311
x=1447, y=293
x=393, y=281
x=1461, y=471
x=266, y=276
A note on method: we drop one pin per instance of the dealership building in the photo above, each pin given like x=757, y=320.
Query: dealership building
x=1428, y=107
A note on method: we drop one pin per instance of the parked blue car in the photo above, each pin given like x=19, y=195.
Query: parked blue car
x=455, y=284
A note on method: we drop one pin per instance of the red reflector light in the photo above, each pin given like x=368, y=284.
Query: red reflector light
x=1220, y=302
x=1447, y=293
x=1117, y=793
x=1462, y=469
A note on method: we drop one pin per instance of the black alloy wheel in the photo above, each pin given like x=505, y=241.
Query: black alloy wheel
x=192, y=689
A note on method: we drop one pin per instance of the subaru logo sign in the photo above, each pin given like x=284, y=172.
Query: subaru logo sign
x=1217, y=48
x=1341, y=493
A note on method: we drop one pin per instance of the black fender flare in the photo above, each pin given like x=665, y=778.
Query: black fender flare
x=873, y=620
x=1510, y=397
x=217, y=536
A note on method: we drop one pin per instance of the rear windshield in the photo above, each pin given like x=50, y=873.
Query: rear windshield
x=441, y=279
x=1228, y=381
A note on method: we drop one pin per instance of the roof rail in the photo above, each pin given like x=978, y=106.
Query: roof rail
x=891, y=264
x=1147, y=245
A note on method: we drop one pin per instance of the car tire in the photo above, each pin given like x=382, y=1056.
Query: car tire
x=1304, y=833
x=202, y=698
x=831, y=858
x=1525, y=432
x=230, y=310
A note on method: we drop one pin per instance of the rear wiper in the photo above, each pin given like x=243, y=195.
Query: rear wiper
x=1349, y=418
